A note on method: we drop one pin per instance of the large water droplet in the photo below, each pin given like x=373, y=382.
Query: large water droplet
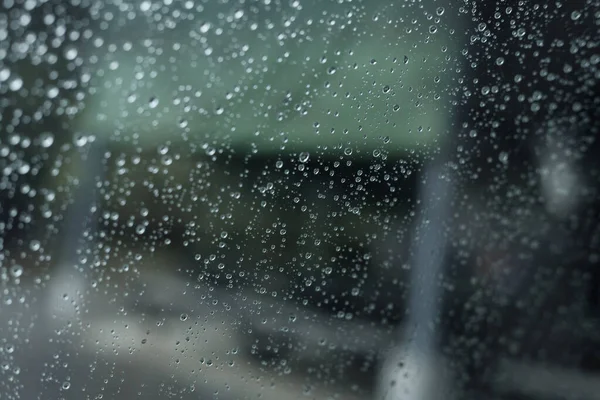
x=304, y=156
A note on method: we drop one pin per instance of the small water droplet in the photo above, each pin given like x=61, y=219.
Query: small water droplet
x=46, y=139
x=15, y=84
x=145, y=5
x=16, y=270
x=153, y=102
x=35, y=245
x=166, y=160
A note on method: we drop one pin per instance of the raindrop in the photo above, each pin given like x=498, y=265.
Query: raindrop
x=4, y=74
x=183, y=317
x=153, y=103
x=575, y=15
x=405, y=60
x=71, y=53
x=304, y=156
x=16, y=84
x=163, y=149
x=46, y=139
x=145, y=6
x=166, y=160
x=440, y=11
x=279, y=164
x=80, y=140
x=16, y=270
x=205, y=27
x=66, y=385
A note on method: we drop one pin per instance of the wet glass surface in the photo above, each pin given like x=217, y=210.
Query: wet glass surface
x=299, y=199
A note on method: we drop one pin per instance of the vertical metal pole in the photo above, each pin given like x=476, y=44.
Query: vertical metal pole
x=414, y=370
x=66, y=279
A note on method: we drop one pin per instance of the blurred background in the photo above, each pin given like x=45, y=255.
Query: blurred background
x=299, y=199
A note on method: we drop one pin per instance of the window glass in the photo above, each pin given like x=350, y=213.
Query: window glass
x=284, y=199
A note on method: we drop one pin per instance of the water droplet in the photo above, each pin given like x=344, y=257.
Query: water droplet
x=140, y=229
x=432, y=29
x=304, y=156
x=405, y=60
x=66, y=385
x=16, y=270
x=71, y=53
x=15, y=84
x=500, y=61
x=35, y=245
x=80, y=140
x=145, y=5
x=440, y=11
x=575, y=15
x=279, y=164
x=331, y=70
x=205, y=27
x=166, y=160
x=386, y=89
x=503, y=157
x=163, y=149
x=153, y=102
x=4, y=74
x=183, y=317
x=46, y=139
